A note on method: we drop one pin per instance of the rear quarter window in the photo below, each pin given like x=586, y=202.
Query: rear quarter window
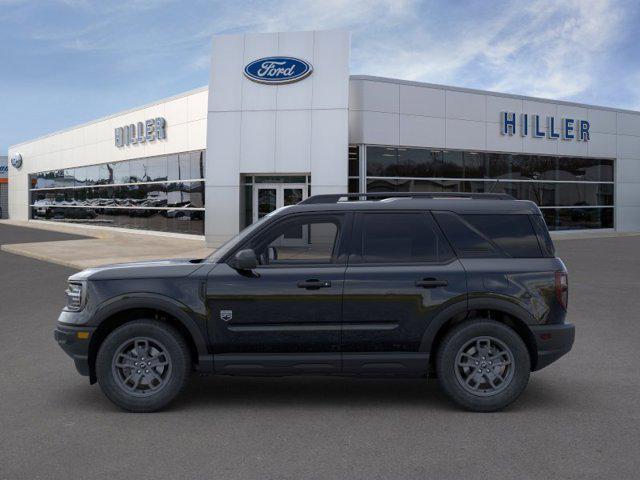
x=467, y=241
x=491, y=235
x=514, y=234
x=546, y=244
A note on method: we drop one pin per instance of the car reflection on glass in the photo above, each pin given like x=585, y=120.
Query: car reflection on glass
x=578, y=214
x=73, y=213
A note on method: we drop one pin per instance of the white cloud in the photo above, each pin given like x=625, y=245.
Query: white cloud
x=555, y=53
x=546, y=49
x=542, y=48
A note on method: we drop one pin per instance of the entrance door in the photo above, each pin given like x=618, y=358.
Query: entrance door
x=268, y=197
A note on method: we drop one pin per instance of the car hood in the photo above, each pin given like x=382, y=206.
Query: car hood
x=147, y=269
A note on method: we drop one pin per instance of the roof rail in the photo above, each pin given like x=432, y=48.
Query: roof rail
x=339, y=197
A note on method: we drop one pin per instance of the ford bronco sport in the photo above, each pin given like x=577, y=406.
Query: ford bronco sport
x=465, y=287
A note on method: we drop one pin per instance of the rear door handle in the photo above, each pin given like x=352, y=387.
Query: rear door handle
x=314, y=284
x=431, y=283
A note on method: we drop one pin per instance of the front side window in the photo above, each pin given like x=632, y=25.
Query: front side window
x=402, y=238
x=300, y=240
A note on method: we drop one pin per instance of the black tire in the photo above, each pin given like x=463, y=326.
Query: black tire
x=134, y=390
x=458, y=371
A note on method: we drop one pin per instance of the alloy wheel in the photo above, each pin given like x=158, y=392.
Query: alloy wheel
x=141, y=366
x=484, y=366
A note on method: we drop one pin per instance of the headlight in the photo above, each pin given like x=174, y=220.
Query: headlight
x=75, y=297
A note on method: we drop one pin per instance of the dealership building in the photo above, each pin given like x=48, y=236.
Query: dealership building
x=282, y=118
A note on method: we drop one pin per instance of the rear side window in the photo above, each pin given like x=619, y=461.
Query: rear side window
x=466, y=240
x=514, y=234
x=402, y=238
x=539, y=225
x=490, y=235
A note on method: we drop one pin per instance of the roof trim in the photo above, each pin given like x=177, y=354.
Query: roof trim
x=488, y=92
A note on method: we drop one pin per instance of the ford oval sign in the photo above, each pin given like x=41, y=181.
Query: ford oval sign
x=278, y=70
x=16, y=160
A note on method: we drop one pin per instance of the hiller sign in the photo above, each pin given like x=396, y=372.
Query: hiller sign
x=532, y=125
x=147, y=131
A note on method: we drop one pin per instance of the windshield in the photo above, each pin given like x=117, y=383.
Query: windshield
x=230, y=244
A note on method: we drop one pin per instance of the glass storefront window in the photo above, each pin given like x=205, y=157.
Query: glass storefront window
x=120, y=172
x=184, y=166
x=573, y=192
x=105, y=174
x=413, y=162
x=497, y=164
x=475, y=165
x=92, y=175
x=95, y=194
x=381, y=161
x=585, y=169
x=197, y=165
x=138, y=171
x=452, y=165
x=157, y=170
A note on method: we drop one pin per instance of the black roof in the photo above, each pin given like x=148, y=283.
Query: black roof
x=454, y=202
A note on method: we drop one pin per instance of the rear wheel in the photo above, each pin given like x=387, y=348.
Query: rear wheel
x=483, y=365
x=143, y=365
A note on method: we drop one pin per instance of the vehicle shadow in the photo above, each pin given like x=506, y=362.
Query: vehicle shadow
x=332, y=392
x=219, y=392
x=312, y=391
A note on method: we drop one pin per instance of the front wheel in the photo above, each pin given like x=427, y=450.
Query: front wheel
x=483, y=365
x=143, y=365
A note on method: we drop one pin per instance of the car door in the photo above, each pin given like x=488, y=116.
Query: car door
x=401, y=274
x=285, y=316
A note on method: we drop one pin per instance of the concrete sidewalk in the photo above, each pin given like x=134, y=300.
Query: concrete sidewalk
x=104, y=245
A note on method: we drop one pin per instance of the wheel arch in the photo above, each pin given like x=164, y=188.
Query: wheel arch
x=120, y=310
x=501, y=310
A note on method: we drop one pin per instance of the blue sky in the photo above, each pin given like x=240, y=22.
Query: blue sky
x=65, y=62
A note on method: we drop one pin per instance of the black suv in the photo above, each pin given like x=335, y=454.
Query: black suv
x=463, y=287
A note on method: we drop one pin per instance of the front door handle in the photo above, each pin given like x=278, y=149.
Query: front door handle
x=314, y=284
x=431, y=283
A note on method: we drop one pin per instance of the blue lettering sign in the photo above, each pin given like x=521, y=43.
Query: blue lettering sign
x=551, y=128
x=568, y=128
x=536, y=127
x=508, y=123
x=524, y=124
x=584, y=131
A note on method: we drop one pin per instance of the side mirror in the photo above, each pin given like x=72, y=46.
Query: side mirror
x=245, y=260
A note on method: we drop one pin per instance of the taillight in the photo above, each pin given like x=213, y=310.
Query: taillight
x=562, y=288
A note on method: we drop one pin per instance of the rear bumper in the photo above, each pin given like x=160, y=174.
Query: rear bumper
x=75, y=346
x=553, y=341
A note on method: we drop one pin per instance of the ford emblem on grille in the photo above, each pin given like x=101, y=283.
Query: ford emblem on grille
x=277, y=70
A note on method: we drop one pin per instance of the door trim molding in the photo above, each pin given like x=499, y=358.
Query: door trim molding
x=357, y=363
x=312, y=327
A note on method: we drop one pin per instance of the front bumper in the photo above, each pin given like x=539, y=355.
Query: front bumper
x=75, y=343
x=553, y=341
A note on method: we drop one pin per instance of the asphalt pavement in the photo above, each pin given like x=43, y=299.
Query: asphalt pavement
x=578, y=419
